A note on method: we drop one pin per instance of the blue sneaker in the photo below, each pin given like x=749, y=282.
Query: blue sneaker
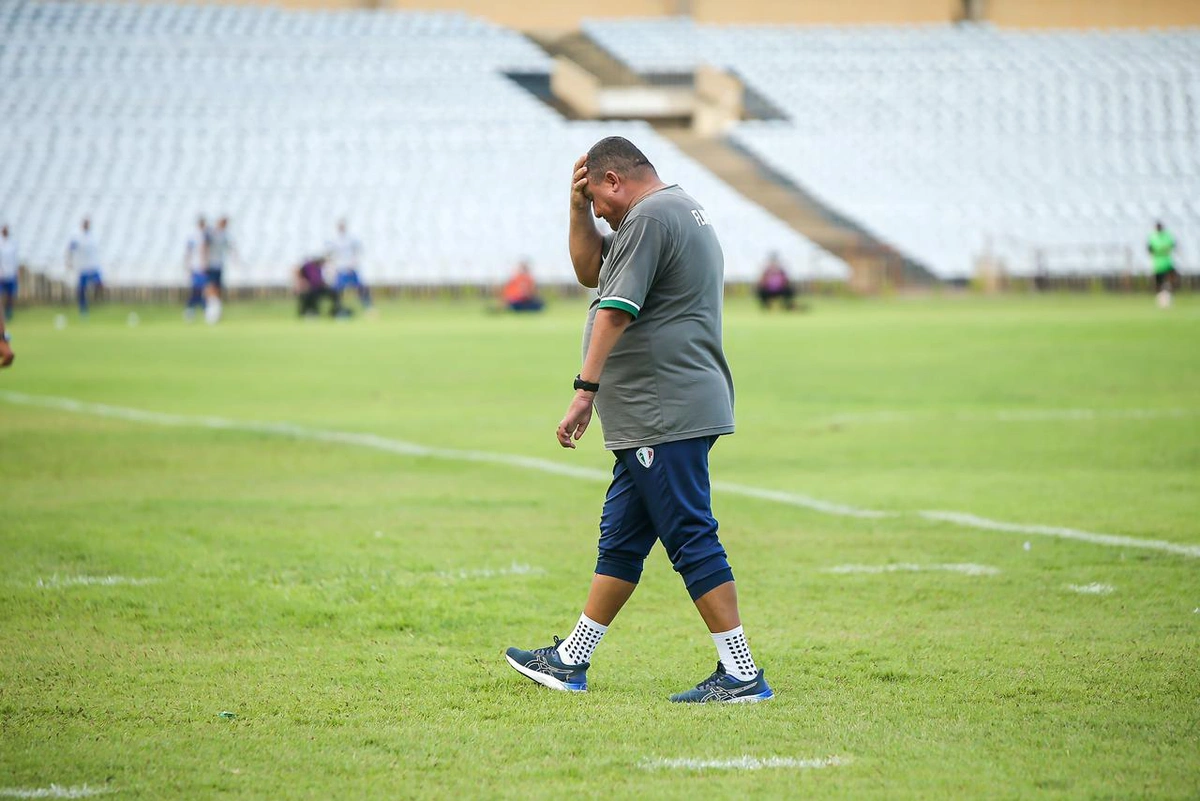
x=722, y=688
x=544, y=666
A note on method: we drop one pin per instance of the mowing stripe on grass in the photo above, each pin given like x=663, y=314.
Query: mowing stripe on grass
x=744, y=763
x=906, y=567
x=1092, y=589
x=515, y=569
x=55, y=582
x=555, y=468
x=974, y=521
x=53, y=791
x=1007, y=416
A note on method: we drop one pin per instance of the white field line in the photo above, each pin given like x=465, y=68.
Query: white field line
x=906, y=567
x=396, y=446
x=792, y=499
x=53, y=791
x=973, y=521
x=1008, y=416
x=1092, y=589
x=515, y=569
x=555, y=468
x=54, y=582
x=744, y=763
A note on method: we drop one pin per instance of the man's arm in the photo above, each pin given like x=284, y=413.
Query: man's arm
x=584, y=241
x=607, y=328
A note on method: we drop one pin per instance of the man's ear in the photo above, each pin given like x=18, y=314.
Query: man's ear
x=612, y=181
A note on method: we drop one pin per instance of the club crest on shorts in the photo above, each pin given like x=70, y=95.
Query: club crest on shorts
x=645, y=456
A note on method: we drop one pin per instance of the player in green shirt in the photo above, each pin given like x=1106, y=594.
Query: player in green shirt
x=1161, y=246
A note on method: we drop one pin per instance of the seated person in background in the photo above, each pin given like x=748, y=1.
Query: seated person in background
x=775, y=283
x=520, y=293
x=311, y=286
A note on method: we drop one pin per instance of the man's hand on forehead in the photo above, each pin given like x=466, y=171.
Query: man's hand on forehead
x=581, y=196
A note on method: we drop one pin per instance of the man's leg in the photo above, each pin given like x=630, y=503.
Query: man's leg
x=626, y=537
x=195, y=300
x=1162, y=291
x=352, y=280
x=10, y=293
x=309, y=302
x=673, y=479
x=606, y=598
x=335, y=301
x=789, y=297
x=83, y=301
x=719, y=608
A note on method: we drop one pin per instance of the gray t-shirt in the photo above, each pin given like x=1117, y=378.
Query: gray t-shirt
x=667, y=378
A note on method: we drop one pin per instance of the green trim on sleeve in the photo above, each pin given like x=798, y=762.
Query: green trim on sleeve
x=625, y=306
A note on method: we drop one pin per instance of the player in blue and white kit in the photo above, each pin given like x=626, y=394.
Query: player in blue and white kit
x=345, y=253
x=195, y=261
x=218, y=247
x=83, y=257
x=9, y=263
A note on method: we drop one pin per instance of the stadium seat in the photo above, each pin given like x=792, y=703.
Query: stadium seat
x=404, y=123
x=952, y=141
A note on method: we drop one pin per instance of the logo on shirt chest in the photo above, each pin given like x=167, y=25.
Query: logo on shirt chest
x=645, y=456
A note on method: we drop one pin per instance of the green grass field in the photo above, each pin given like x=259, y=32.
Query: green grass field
x=349, y=599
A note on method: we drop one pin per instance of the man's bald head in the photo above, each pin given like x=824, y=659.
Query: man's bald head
x=618, y=175
x=618, y=155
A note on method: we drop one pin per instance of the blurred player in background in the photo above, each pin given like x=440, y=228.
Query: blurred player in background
x=774, y=284
x=520, y=294
x=195, y=262
x=345, y=253
x=312, y=284
x=9, y=265
x=1161, y=246
x=83, y=258
x=6, y=353
x=655, y=370
x=219, y=249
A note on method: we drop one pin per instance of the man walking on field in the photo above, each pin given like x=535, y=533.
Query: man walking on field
x=655, y=371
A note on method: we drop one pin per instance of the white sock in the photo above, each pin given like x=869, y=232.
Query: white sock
x=734, y=653
x=577, y=649
x=212, y=311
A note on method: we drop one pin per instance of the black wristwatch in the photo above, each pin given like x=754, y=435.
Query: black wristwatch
x=586, y=386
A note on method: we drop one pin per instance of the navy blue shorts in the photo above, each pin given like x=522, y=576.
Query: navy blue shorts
x=215, y=275
x=347, y=279
x=663, y=494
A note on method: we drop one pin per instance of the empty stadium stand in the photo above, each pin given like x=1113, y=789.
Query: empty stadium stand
x=1050, y=153
x=406, y=124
